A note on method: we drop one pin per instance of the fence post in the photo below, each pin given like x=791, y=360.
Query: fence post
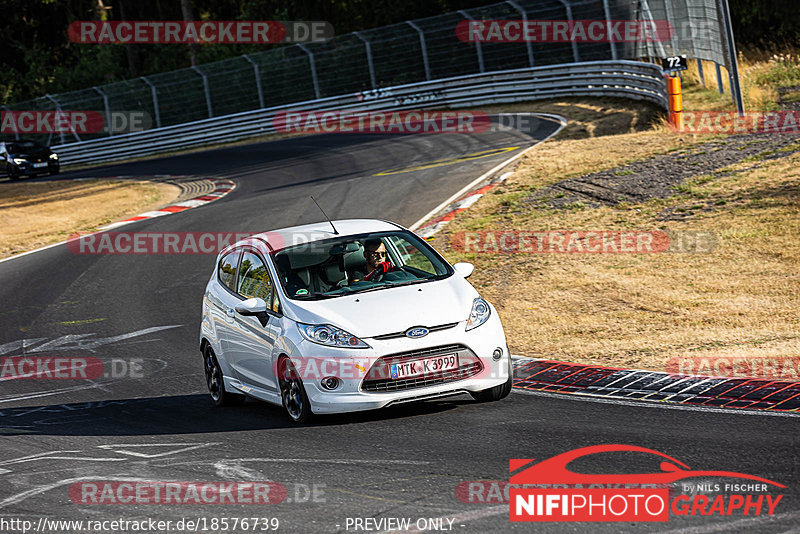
x=720, y=85
x=524, y=22
x=613, y=45
x=108, y=110
x=733, y=71
x=313, y=65
x=568, y=8
x=258, y=80
x=424, y=49
x=155, y=99
x=371, y=66
x=207, y=91
x=58, y=109
x=16, y=130
x=700, y=73
x=478, y=48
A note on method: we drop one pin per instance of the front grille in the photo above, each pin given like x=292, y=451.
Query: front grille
x=379, y=380
x=396, y=335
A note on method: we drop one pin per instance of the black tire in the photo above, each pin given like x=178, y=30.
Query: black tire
x=497, y=392
x=215, y=382
x=293, y=394
x=12, y=172
x=55, y=171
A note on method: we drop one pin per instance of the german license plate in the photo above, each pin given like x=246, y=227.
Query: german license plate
x=428, y=366
x=40, y=165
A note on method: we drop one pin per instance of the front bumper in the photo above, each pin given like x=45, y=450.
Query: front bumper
x=29, y=167
x=352, y=367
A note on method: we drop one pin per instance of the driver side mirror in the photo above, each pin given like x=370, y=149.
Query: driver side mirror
x=254, y=307
x=464, y=269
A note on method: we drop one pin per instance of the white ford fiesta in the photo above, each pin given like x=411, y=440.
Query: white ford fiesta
x=344, y=316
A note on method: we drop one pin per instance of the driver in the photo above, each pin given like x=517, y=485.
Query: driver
x=377, y=262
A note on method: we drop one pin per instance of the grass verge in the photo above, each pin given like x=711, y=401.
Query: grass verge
x=626, y=310
x=640, y=310
x=37, y=214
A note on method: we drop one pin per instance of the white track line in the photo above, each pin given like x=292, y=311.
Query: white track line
x=491, y=171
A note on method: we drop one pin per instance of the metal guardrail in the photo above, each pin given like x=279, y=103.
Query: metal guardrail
x=629, y=79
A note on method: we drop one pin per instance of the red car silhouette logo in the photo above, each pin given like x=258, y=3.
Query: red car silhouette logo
x=554, y=470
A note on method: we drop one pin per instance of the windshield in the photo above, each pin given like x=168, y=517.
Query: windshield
x=23, y=146
x=356, y=264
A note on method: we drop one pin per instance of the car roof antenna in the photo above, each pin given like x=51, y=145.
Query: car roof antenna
x=326, y=215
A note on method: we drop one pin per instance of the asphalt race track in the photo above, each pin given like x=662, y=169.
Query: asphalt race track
x=155, y=421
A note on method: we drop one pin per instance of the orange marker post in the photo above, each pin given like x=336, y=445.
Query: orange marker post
x=675, y=99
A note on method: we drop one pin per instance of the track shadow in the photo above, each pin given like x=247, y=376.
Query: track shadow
x=182, y=414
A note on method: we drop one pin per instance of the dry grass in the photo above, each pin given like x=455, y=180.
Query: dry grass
x=558, y=160
x=36, y=214
x=641, y=310
x=761, y=75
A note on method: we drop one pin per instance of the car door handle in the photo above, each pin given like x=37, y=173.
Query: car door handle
x=229, y=312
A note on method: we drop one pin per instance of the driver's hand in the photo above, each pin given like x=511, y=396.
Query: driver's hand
x=382, y=268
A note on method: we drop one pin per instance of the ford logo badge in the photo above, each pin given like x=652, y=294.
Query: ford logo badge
x=419, y=331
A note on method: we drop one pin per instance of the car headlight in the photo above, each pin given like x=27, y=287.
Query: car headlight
x=53, y=156
x=479, y=314
x=20, y=161
x=331, y=336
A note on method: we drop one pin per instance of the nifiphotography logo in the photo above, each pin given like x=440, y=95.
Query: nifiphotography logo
x=549, y=491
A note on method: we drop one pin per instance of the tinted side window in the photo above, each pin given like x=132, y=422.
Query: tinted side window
x=412, y=256
x=226, y=269
x=254, y=280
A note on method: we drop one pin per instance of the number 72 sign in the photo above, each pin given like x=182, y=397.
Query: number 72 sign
x=674, y=63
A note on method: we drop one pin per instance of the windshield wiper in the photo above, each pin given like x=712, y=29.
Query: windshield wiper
x=393, y=284
x=320, y=296
x=409, y=282
x=368, y=289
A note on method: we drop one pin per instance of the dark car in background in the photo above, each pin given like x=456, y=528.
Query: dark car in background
x=18, y=158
